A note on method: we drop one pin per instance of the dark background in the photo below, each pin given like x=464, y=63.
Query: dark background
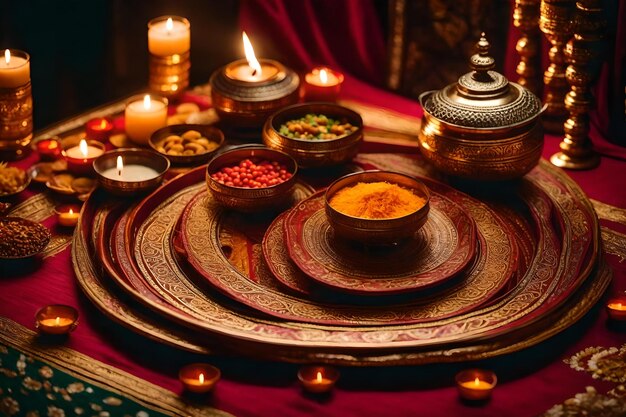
x=85, y=53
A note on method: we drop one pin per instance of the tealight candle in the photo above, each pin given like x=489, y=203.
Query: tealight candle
x=129, y=171
x=616, y=308
x=133, y=172
x=67, y=215
x=143, y=116
x=251, y=70
x=476, y=384
x=199, y=377
x=80, y=158
x=318, y=379
x=99, y=129
x=322, y=84
x=14, y=69
x=56, y=319
x=48, y=149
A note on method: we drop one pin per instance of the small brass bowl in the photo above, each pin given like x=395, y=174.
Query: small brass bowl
x=314, y=153
x=377, y=231
x=211, y=133
x=251, y=199
x=131, y=156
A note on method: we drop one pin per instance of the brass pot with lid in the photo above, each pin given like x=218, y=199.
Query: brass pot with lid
x=483, y=127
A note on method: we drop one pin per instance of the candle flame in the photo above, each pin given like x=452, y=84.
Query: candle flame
x=120, y=165
x=252, y=61
x=7, y=56
x=201, y=378
x=169, y=25
x=318, y=377
x=83, y=148
x=476, y=381
x=147, y=103
x=71, y=211
x=103, y=124
x=57, y=321
x=323, y=76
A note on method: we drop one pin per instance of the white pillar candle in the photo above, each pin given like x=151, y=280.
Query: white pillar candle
x=143, y=116
x=168, y=36
x=14, y=68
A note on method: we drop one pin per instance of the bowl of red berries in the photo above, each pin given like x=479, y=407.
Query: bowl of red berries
x=252, y=178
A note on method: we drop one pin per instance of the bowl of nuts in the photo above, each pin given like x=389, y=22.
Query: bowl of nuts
x=252, y=178
x=315, y=134
x=13, y=180
x=187, y=144
x=21, y=238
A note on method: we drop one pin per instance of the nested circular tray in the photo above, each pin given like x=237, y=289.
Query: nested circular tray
x=552, y=276
x=441, y=249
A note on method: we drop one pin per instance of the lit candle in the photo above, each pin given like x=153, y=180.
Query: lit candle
x=476, y=384
x=48, y=149
x=68, y=215
x=318, y=379
x=130, y=173
x=14, y=69
x=168, y=36
x=250, y=69
x=98, y=129
x=56, y=319
x=80, y=158
x=322, y=84
x=143, y=116
x=199, y=377
x=616, y=308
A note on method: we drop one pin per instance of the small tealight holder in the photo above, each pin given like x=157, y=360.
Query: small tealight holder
x=48, y=149
x=80, y=157
x=16, y=111
x=199, y=377
x=168, y=45
x=127, y=171
x=616, y=308
x=476, y=384
x=322, y=84
x=56, y=319
x=67, y=215
x=318, y=379
x=99, y=129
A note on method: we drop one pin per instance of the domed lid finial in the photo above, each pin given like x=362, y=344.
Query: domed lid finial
x=482, y=61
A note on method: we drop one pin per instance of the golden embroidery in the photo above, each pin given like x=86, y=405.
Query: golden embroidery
x=57, y=244
x=614, y=243
x=36, y=208
x=607, y=364
x=609, y=212
x=589, y=403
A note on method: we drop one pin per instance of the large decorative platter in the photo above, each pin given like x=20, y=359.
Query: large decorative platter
x=439, y=251
x=517, y=318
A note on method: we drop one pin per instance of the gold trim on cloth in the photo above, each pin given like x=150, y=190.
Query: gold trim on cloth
x=609, y=212
x=100, y=374
x=614, y=243
x=36, y=208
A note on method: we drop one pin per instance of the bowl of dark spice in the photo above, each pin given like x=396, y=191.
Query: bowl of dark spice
x=21, y=238
x=377, y=207
x=315, y=134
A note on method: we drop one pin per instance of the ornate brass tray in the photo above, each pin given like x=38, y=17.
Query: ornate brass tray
x=519, y=316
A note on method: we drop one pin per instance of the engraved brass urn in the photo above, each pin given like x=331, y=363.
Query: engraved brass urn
x=483, y=127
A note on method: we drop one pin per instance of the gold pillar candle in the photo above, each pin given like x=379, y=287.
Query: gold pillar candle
x=16, y=104
x=169, y=40
x=526, y=18
x=143, y=116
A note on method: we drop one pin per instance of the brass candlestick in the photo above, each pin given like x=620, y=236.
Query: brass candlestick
x=526, y=17
x=584, y=52
x=556, y=22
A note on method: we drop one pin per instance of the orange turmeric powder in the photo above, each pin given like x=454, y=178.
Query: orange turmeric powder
x=376, y=200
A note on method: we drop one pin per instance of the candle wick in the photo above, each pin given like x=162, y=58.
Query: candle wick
x=119, y=172
x=254, y=72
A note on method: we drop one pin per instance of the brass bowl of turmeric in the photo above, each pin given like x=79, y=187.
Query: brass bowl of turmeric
x=377, y=207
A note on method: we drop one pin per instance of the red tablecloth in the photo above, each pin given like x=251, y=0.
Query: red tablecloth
x=531, y=381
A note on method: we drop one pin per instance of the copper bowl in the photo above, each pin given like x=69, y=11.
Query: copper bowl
x=314, y=153
x=251, y=199
x=483, y=127
x=213, y=134
x=130, y=156
x=377, y=231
